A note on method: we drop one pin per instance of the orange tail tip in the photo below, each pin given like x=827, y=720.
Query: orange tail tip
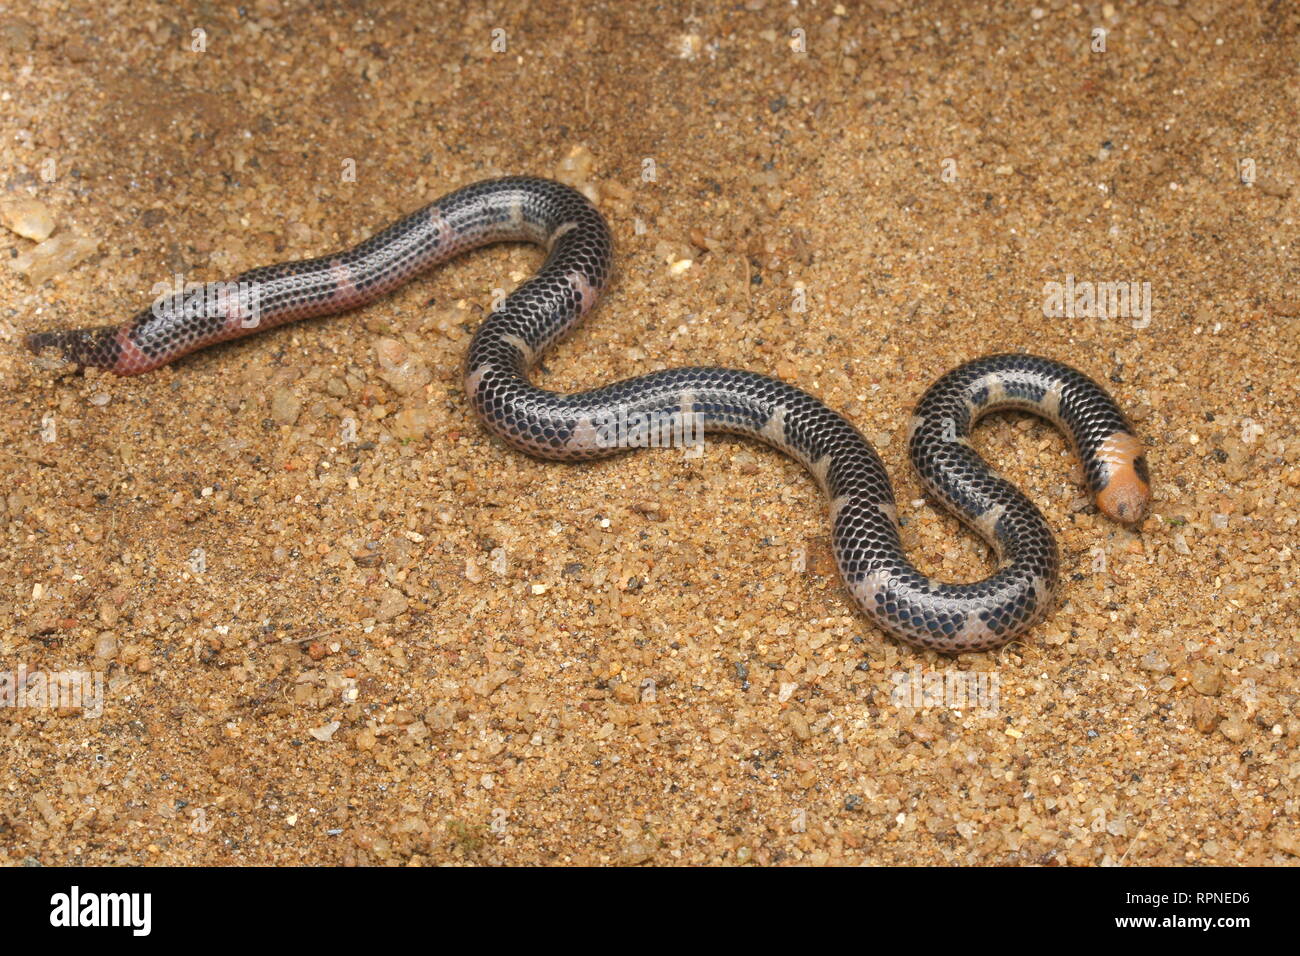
x=1127, y=492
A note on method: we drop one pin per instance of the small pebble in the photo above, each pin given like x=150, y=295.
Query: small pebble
x=30, y=218
x=285, y=406
x=391, y=603
x=326, y=732
x=1207, y=679
x=53, y=257
x=1234, y=728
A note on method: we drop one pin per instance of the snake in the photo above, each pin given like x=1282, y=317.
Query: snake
x=866, y=537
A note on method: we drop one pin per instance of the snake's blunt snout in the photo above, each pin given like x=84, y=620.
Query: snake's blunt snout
x=1127, y=492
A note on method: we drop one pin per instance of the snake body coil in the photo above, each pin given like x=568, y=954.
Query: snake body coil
x=865, y=533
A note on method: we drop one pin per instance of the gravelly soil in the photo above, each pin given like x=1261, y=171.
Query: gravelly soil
x=422, y=647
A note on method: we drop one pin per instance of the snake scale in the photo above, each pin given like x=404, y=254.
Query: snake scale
x=948, y=618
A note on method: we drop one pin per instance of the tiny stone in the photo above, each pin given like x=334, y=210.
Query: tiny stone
x=1155, y=662
x=636, y=852
x=1207, y=679
x=400, y=367
x=411, y=423
x=391, y=604
x=285, y=406
x=17, y=35
x=106, y=646
x=29, y=218
x=1287, y=842
x=53, y=257
x=1205, y=715
x=1235, y=729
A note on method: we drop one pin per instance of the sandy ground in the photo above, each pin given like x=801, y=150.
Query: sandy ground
x=422, y=647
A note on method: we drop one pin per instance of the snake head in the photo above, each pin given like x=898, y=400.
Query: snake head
x=1127, y=493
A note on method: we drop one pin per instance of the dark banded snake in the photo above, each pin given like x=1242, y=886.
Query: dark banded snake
x=865, y=536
